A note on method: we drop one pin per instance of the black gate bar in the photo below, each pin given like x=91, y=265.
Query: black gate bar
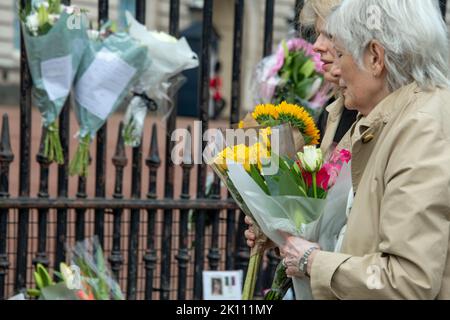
x=25, y=162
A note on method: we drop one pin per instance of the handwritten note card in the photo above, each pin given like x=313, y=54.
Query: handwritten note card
x=103, y=82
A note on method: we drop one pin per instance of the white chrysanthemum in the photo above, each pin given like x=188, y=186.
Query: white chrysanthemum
x=32, y=23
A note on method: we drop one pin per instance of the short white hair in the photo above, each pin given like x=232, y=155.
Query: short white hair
x=412, y=32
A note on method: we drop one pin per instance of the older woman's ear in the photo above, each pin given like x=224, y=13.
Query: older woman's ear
x=376, y=56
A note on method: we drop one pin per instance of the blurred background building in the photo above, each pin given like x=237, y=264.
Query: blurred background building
x=157, y=17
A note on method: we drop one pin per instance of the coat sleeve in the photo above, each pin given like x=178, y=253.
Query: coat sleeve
x=414, y=225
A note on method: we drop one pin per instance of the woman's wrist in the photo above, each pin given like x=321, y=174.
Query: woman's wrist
x=311, y=261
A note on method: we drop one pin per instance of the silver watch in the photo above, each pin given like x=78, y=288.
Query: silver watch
x=303, y=263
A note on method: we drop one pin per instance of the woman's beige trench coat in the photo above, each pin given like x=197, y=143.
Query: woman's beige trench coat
x=397, y=241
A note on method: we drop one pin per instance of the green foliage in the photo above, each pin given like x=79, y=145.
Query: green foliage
x=280, y=285
x=54, y=6
x=42, y=279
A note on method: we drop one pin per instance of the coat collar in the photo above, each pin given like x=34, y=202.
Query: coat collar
x=335, y=109
x=383, y=112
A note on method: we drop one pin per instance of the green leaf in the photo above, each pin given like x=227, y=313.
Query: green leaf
x=256, y=176
x=33, y=293
x=302, y=89
x=273, y=181
x=54, y=6
x=297, y=174
x=285, y=48
x=307, y=69
x=42, y=16
x=45, y=276
x=38, y=280
x=25, y=11
x=321, y=194
x=288, y=186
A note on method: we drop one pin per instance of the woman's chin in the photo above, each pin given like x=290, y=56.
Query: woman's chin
x=330, y=78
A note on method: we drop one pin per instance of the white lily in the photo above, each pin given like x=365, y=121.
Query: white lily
x=311, y=159
x=71, y=277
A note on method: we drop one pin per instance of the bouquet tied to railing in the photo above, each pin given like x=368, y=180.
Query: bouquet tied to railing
x=55, y=46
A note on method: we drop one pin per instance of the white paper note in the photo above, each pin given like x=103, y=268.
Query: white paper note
x=103, y=82
x=57, y=76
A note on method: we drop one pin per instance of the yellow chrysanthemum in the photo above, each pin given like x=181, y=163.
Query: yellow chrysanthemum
x=265, y=110
x=301, y=119
x=222, y=156
x=257, y=153
x=241, y=125
x=243, y=155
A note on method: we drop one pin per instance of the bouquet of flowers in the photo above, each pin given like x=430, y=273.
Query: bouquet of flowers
x=169, y=58
x=302, y=196
x=110, y=66
x=294, y=74
x=88, y=277
x=264, y=129
x=54, y=52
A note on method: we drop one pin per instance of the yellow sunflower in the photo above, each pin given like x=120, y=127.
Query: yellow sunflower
x=264, y=111
x=301, y=119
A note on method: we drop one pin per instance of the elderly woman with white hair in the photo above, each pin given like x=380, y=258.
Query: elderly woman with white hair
x=393, y=58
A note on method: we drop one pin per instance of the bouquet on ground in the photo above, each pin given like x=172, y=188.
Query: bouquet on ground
x=294, y=74
x=306, y=198
x=87, y=278
x=170, y=57
x=54, y=52
x=112, y=63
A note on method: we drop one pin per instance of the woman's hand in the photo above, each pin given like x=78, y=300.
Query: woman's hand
x=251, y=236
x=293, y=251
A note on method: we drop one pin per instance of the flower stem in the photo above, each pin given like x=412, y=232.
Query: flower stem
x=314, y=181
x=252, y=272
x=80, y=162
x=52, y=145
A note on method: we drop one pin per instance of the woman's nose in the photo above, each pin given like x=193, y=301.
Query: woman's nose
x=319, y=45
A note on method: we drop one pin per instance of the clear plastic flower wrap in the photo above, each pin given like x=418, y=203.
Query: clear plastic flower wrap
x=88, y=276
x=253, y=147
x=162, y=78
x=314, y=219
x=96, y=277
x=110, y=67
x=54, y=53
x=284, y=193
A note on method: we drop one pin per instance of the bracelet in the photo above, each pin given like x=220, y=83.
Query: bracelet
x=303, y=262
